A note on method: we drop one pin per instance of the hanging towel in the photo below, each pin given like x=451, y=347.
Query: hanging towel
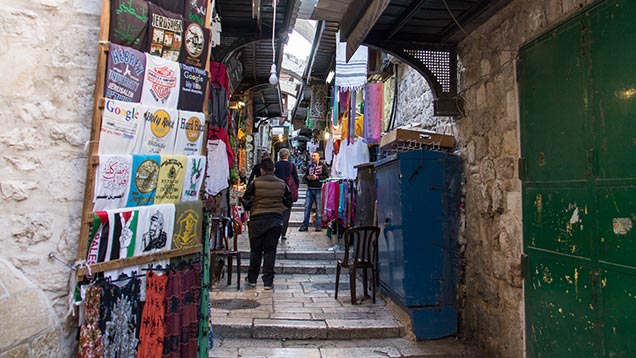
x=112, y=182
x=171, y=177
x=350, y=75
x=122, y=123
x=124, y=73
x=190, y=133
x=373, y=111
x=194, y=175
x=155, y=229
x=187, y=226
x=143, y=185
x=162, y=81
x=160, y=131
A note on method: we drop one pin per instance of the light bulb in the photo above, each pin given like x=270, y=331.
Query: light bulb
x=273, y=78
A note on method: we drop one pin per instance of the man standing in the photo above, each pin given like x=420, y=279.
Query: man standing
x=286, y=170
x=267, y=198
x=316, y=172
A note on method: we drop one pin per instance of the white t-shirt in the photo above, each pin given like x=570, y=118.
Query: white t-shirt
x=159, y=131
x=112, y=182
x=121, y=127
x=194, y=175
x=162, y=81
x=190, y=133
x=218, y=171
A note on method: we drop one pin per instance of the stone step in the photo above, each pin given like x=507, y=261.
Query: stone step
x=301, y=266
x=326, y=348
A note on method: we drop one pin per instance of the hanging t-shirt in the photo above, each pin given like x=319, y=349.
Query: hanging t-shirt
x=194, y=175
x=123, y=233
x=161, y=82
x=143, y=185
x=196, y=45
x=160, y=130
x=193, y=82
x=218, y=106
x=219, y=77
x=112, y=182
x=218, y=171
x=170, y=182
x=129, y=23
x=156, y=224
x=187, y=226
x=124, y=73
x=98, y=238
x=176, y=6
x=165, y=31
x=190, y=133
x=121, y=123
x=196, y=10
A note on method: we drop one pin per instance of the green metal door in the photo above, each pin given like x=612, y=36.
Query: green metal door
x=578, y=139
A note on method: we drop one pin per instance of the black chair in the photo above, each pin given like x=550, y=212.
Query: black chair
x=221, y=249
x=364, y=241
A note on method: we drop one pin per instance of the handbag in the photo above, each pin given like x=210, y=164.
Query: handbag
x=293, y=187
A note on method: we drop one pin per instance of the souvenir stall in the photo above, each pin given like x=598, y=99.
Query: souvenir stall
x=141, y=243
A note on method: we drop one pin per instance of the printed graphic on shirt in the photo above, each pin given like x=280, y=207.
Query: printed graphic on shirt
x=120, y=126
x=190, y=133
x=144, y=181
x=98, y=239
x=166, y=30
x=187, y=230
x=124, y=74
x=124, y=234
x=161, y=82
x=193, y=82
x=196, y=10
x=112, y=182
x=129, y=23
x=160, y=131
x=195, y=173
x=195, y=48
x=315, y=170
x=171, y=176
x=155, y=229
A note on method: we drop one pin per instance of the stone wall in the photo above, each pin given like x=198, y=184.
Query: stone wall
x=48, y=53
x=493, y=315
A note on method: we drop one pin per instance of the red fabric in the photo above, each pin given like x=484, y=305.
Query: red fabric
x=221, y=133
x=153, y=325
x=218, y=77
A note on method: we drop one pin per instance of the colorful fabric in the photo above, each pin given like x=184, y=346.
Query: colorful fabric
x=165, y=31
x=159, y=131
x=220, y=133
x=124, y=73
x=155, y=229
x=196, y=45
x=190, y=133
x=182, y=313
x=121, y=126
x=373, y=112
x=90, y=337
x=188, y=223
x=98, y=238
x=194, y=176
x=171, y=177
x=218, y=171
x=162, y=81
x=143, y=186
x=153, y=327
x=193, y=83
x=123, y=233
x=352, y=74
x=218, y=77
x=118, y=319
x=112, y=182
x=129, y=23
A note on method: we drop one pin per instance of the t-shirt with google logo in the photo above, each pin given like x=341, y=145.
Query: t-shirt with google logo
x=121, y=124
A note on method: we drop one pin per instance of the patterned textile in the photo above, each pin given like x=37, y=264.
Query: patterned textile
x=350, y=75
x=90, y=340
x=373, y=112
x=153, y=325
x=182, y=313
x=319, y=105
x=118, y=319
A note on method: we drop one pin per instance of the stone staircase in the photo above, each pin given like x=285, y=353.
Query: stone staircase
x=301, y=317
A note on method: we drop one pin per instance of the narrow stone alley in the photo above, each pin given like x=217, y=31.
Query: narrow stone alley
x=301, y=318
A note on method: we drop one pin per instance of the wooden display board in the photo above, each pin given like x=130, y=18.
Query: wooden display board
x=93, y=159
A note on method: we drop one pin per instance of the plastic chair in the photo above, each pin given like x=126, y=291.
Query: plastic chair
x=364, y=240
x=220, y=230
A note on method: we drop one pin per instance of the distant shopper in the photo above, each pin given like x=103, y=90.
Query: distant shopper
x=287, y=171
x=316, y=172
x=256, y=170
x=267, y=198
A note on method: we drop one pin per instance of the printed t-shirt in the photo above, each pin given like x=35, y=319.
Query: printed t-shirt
x=190, y=133
x=112, y=182
x=170, y=182
x=156, y=224
x=98, y=238
x=165, y=31
x=123, y=233
x=121, y=124
x=187, y=226
x=193, y=82
x=129, y=23
x=196, y=10
x=124, y=73
x=196, y=45
x=143, y=185
x=161, y=82
x=176, y=6
x=218, y=171
x=160, y=130
x=194, y=175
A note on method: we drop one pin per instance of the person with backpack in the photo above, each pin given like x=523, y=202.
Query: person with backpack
x=286, y=170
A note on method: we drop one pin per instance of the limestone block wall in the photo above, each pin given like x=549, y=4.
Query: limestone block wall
x=488, y=136
x=48, y=54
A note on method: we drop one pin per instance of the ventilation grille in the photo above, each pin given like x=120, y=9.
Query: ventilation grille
x=438, y=62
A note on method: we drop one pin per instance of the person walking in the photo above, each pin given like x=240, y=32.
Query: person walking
x=266, y=198
x=286, y=170
x=256, y=169
x=316, y=172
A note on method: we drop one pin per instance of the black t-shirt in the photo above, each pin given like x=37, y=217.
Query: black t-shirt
x=192, y=93
x=165, y=33
x=196, y=45
x=176, y=6
x=196, y=10
x=129, y=23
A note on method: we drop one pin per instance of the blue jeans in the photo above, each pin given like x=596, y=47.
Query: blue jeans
x=313, y=195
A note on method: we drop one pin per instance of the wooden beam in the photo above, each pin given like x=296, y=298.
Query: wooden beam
x=320, y=29
x=351, y=17
x=406, y=16
x=362, y=28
